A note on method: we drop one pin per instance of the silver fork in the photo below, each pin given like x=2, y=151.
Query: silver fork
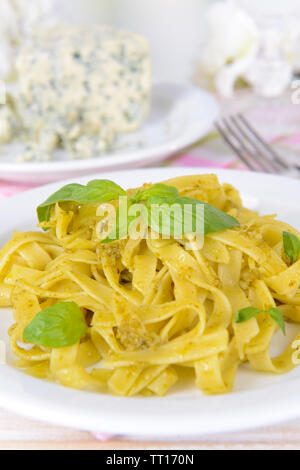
x=251, y=148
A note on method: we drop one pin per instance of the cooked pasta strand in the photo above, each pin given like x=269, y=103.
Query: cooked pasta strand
x=154, y=307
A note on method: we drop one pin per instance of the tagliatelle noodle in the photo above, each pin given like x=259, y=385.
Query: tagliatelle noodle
x=154, y=307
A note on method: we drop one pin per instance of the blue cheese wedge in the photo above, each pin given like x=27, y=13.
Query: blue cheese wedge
x=79, y=88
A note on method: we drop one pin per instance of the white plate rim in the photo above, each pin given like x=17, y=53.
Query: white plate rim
x=159, y=417
x=151, y=154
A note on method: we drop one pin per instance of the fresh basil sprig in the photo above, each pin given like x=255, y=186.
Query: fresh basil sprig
x=291, y=245
x=245, y=314
x=96, y=191
x=158, y=200
x=58, y=326
x=168, y=213
x=208, y=219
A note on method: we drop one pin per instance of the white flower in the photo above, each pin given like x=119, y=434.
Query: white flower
x=230, y=47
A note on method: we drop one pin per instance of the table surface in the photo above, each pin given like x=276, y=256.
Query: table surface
x=279, y=121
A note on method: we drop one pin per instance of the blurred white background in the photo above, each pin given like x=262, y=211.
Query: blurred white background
x=174, y=28
x=187, y=43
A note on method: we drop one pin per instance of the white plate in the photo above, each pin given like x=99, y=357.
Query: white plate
x=180, y=115
x=257, y=400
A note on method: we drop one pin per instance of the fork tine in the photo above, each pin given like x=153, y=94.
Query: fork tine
x=280, y=162
x=265, y=162
x=241, y=154
x=260, y=165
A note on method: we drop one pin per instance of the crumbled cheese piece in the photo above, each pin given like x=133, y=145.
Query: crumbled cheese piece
x=79, y=88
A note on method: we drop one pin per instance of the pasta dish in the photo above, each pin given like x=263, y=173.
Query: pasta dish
x=134, y=315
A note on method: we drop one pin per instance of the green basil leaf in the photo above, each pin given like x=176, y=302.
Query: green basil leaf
x=96, y=191
x=183, y=215
x=245, y=314
x=277, y=316
x=158, y=190
x=58, y=326
x=214, y=219
x=291, y=245
x=164, y=216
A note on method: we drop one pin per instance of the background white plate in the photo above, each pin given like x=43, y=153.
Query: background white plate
x=258, y=399
x=179, y=116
